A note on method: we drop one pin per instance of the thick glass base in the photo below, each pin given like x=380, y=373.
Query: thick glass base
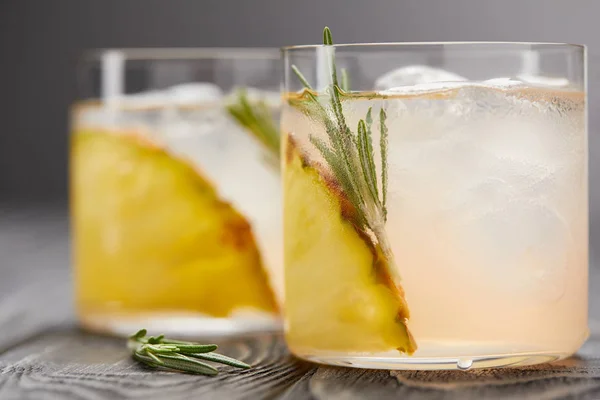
x=181, y=325
x=442, y=363
x=441, y=356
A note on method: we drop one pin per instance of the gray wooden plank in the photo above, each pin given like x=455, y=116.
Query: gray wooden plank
x=70, y=364
x=35, y=285
x=44, y=356
x=576, y=377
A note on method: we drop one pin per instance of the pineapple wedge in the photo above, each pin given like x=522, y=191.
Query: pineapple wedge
x=151, y=234
x=339, y=292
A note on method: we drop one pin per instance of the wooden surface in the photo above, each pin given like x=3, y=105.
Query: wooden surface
x=43, y=355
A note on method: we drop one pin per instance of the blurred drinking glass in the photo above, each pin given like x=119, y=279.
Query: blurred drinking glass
x=175, y=191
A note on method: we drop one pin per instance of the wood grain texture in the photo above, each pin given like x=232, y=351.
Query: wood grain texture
x=43, y=355
x=69, y=364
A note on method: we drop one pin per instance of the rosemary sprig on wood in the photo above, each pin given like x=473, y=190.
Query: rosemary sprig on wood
x=157, y=351
x=350, y=155
x=257, y=118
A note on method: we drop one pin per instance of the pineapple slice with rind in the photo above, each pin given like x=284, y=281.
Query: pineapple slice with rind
x=340, y=295
x=151, y=234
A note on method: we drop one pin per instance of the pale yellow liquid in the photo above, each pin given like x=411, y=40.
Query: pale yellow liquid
x=488, y=224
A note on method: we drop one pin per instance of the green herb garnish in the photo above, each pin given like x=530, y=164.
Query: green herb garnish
x=156, y=351
x=350, y=155
x=257, y=118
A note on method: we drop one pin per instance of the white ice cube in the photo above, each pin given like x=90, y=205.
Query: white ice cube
x=528, y=80
x=502, y=83
x=151, y=98
x=544, y=80
x=194, y=93
x=188, y=94
x=413, y=75
x=424, y=88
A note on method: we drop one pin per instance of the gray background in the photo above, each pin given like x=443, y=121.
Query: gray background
x=40, y=41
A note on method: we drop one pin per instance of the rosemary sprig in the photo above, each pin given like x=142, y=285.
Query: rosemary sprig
x=156, y=351
x=350, y=156
x=256, y=117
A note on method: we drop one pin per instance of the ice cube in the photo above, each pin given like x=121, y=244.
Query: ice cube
x=194, y=93
x=413, y=75
x=544, y=81
x=152, y=98
x=424, y=88
x=527, y=80
x=188, y=94
x=502, y=83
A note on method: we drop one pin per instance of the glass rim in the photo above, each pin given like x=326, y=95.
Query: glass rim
x=183, y=53
x=525, y=45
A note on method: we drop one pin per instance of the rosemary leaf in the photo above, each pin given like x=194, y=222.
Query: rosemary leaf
x=327, y=39
x=145, y=359
x=345, y=80
x=177, y=342
x=215, y=357
x=369, y=120
x=183, y=363
x=371, y=155
x=156, y=339
x=383, y=142
x=155, y=358
x=196, y=348
x=139, y=334
x=301, y=77
x=365, y=152
x=333, y=89
x=162, y=348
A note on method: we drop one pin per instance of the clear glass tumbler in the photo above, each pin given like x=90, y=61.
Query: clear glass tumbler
x=175, y=189
x=435, y=204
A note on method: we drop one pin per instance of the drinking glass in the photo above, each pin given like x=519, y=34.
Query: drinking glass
x=175, y=190
x=435, y=204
